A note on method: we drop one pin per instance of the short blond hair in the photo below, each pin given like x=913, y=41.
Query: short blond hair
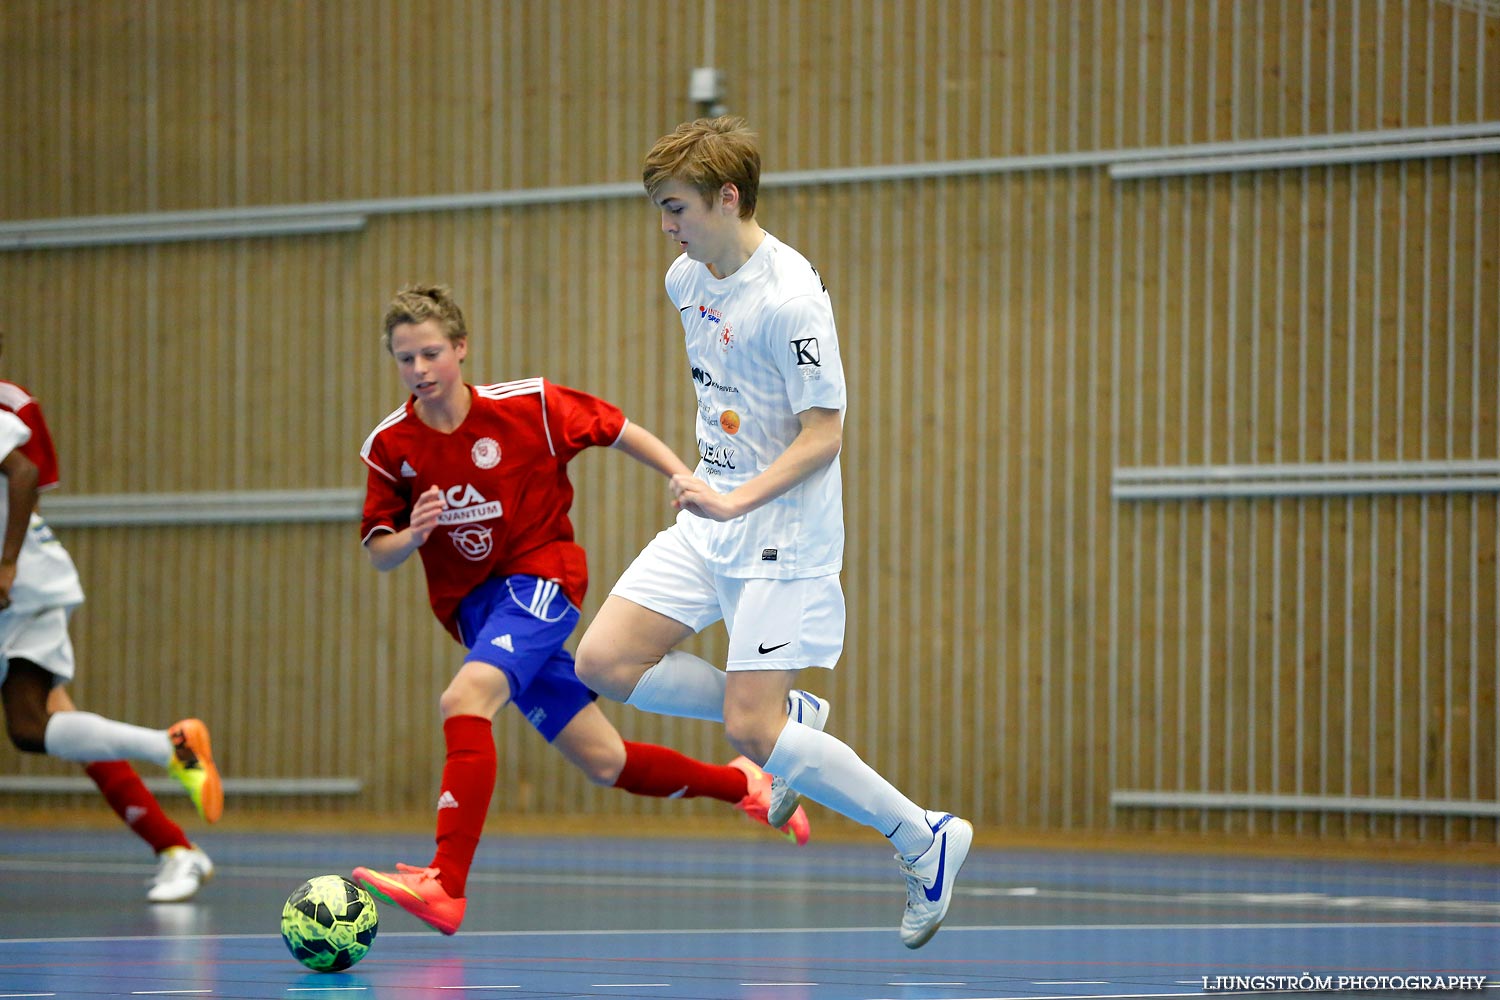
x=706, y=154
x=419, y=303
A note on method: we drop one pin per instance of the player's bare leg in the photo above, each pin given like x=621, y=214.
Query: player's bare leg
x=84, y=737
x=623, y=643
x=755, y=710
x=182, y=866
x=591, y=743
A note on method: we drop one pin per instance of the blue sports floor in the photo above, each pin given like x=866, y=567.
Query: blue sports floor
x=720, y=919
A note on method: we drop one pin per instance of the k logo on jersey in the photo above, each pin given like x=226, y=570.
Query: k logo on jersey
x=809, y=361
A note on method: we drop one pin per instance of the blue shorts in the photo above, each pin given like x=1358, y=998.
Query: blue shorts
x=518, y=624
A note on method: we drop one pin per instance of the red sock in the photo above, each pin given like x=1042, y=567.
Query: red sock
x=468, y=783
x=657, y=771
x=128, y=796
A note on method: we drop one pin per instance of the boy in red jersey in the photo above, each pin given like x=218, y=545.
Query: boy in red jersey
x=474, y=478
x=39, y=589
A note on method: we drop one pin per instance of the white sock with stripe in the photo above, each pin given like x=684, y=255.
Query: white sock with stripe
x=827, y=771
x=85, y=737
x=683, y=685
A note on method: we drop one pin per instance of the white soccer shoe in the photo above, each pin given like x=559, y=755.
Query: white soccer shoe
x=930, y=878
x=182, y=871
x=810, y=711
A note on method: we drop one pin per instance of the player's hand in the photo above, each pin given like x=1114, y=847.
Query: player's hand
x=697, y=497
x=424, y=514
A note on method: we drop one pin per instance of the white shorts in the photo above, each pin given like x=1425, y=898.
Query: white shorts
x=773, y=624
x=38, y=636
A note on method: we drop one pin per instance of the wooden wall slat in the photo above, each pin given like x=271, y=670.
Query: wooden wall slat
x=1009, y=341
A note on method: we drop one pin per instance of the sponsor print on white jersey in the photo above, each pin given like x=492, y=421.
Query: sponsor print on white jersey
x=782, y=358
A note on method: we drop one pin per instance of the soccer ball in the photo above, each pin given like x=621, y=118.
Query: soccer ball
x=328, y=923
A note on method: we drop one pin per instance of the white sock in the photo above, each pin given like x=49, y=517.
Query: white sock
x=828, y=772
x=683, y=685
x=85, y=737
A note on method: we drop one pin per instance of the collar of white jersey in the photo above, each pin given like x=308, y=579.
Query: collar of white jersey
x=753, y=264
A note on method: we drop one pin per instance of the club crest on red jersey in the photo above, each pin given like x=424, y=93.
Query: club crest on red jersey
x=486, y=453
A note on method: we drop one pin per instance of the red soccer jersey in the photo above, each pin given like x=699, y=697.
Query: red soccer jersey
x=504, y=478
x=39, y=449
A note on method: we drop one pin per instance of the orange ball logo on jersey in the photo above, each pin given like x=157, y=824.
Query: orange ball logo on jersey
x=730, y=421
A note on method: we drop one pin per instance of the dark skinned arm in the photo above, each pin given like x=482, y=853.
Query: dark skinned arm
x=20, y=479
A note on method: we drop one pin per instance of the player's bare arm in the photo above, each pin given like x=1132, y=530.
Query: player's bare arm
x=816, y=444
x=21, y=479
x=650, y=450
x=390, y=549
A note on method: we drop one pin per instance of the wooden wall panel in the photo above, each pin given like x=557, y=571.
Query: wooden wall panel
x=1011, y=339
x=130, y=108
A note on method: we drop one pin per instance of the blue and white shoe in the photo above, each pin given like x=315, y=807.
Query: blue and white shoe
x=810, y=711
x=930, y=878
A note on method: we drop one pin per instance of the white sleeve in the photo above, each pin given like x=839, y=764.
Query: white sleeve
x=806, y=347
x=13, y=432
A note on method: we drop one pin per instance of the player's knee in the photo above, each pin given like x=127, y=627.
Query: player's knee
x=601, y=772
x=587, y=661
x=27, y=743
x=465, y=695
x=26, y=721
x=751, y=735
x=27, y=734
x=450, y=703
x=596, y=668
x=466, y=701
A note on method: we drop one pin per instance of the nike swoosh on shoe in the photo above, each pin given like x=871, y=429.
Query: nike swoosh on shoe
x=936, y=892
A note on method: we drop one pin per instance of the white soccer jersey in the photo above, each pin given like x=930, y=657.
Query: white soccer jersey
x=45, y=575
x=762, y=348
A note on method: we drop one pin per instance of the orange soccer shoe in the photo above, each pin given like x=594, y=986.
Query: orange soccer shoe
x=757, y=803
x=192, y=764
x=418, y=892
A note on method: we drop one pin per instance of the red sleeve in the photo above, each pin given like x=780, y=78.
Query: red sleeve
x=39, y=449
x=387, y=497
x=576, y=420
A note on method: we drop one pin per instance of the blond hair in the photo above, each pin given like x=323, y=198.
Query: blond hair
x=706, y=154
x=419, y=303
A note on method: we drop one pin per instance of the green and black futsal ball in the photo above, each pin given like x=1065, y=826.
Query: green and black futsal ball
x=329, y=923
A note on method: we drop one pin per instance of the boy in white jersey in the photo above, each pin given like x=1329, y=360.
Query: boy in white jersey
x=759, y=542
x=39, y=589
